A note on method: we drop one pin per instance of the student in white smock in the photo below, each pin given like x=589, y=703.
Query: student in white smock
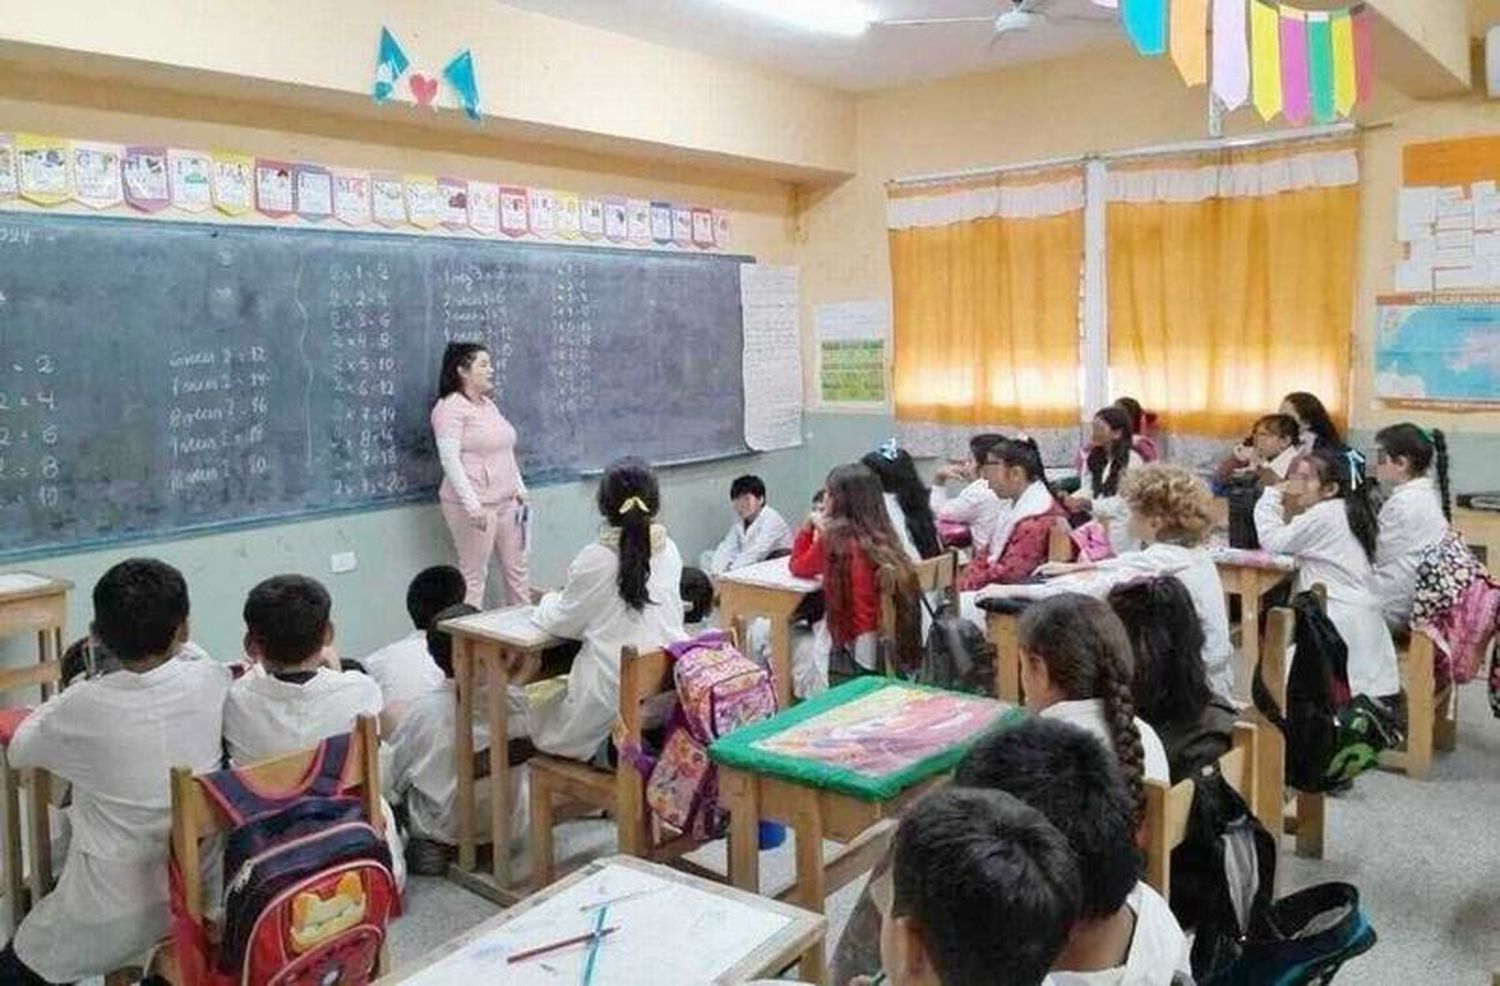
x=757, y=533
x=403, y=669
x=1413, y=463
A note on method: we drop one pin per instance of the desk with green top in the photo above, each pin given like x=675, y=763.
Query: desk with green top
x=841, y=766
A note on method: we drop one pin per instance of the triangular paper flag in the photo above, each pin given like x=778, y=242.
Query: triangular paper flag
x=1344, y=86
x=460, y=75
x=390, y=65
x=1146, y=24
x=1190, y=40
x=1320, y=65
x=1296, y=100
x=1265, y=58
x=1231, y=59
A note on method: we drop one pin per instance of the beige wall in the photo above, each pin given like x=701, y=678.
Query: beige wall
x=1103, y=101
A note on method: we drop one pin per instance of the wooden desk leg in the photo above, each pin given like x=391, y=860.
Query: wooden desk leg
x=1270, y=775
x=495, y=686
x=741, y=796
x=463, y=745
x=781, y=661
x=1004, y=634
x=15, y=884
x=1251, y=590
x=1310, y=819
x=811, y=888
x=39, y=788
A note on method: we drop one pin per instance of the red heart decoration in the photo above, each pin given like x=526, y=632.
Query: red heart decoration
x=423, y=87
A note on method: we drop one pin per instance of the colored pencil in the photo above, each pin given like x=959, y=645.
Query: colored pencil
x=559, y=945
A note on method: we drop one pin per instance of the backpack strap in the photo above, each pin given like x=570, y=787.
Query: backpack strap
x=239, y=800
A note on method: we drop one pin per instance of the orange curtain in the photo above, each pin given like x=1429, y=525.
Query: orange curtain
x=985, y=301
x=1231, y=283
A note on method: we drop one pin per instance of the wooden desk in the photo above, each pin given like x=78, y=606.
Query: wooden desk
x=1251, y=576
x=508, y=646
x=1004, y=631
x=553, y=914
x=862, y=821
x=767, y=589
x=1481, y=531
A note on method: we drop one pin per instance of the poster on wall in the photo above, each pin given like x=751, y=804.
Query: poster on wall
x=42, y=164
x=569, y=223
x=351, y=197
x=851, y=352
x=1438, y=350
x=484, y=207
x=1448, y=217
x=234, y=188
x=314, y=192
x=147, y=186
x=772, y=364
x=388, y=199
x=275, y=192
x=513, y=206
x=191, y=177
x=616, y=226
x=96, y=174
x=591, y=218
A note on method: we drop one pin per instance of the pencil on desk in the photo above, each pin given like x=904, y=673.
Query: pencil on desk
x=556, y=946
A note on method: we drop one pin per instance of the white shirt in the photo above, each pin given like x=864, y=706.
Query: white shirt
x=1411, y=521
x=1112, y=511
x=1328, y=553
x=1159, y=951
x=746, y=545
x=1198, y=574
x=898, y=521
x=1088, y=714
x=1282, y=464
x=404, y=669
x=422, y=772
x=976, y=505
x=115, y=739
x=574, y=722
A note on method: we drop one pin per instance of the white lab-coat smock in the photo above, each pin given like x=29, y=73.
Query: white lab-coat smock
x=744, y=545
x=1112, y=511
x=976, y=505
x=1193, y=568
x=1159, y=951
x=574, y=722
x=1410, y=522
x=1328, y=553
x=898, y=521
x=1088, y=714
x=404, y=670
x=115, y=739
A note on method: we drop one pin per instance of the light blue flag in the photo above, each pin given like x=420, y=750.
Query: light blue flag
x=390, y=65
x=1146, y=24
x=460, y=75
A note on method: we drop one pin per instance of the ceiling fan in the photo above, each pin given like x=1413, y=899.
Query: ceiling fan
x=1023, y=15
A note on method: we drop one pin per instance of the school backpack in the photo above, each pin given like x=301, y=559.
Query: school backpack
x=1242, y=493
x=957, y=655
x=308, y=885
x=718, y=691
x=1330, y=738
x=1305, y=938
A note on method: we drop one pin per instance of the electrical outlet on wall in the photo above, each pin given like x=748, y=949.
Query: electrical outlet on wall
x=344, y=561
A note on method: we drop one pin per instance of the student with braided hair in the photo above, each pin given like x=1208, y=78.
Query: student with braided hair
x=1413, y=463
x=1077, y=666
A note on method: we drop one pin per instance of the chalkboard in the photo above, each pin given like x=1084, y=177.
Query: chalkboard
x=161, y=377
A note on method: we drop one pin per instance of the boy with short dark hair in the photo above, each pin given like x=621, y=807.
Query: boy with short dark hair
x=115, y=739
x=758, y=532
x=976, y=507
x=979, y=890
x=1126, y=932
x=403, y=669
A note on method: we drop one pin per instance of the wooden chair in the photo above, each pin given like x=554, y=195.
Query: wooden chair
x=557, y=781
x=22, y=889
x=1308, y=816
x=938, y=574
x=1168, y=806
x=1060, y=541
x=195, y=816
x=1431, y=716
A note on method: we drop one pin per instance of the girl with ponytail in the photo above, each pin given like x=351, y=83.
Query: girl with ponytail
x=623, y=590
x=1111, y=455
x=1322, y=516
x=1413, y=464
x=1076, y=665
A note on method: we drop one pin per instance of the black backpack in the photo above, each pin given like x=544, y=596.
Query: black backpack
x=1330, y=739
x=957, y=655
x=1241, y=494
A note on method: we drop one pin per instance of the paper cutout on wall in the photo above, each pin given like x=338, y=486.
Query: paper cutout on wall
x=388, y=199
x=1296, y=98
x=455, y=195
x=425, y=207
x=1265, y=58
x=661, y=222
x=682, y=225
x=568, y=224
x=234, y=183
x=1231, y=58
x=591, y=218
x=275, y=192
x=703, y=228
x=1320, y=65
x=314, y=192
x=146, y=184
x=514, y=218
x=390, y=64
x=1189, y=38
x=1364, y=55
x=96, y=174
x=616, y=226
x=8, y=186
x=351, y=197
x=1146, y=25
x=638, y=221
x=191, y=177
x=460, y=75
x=1344, y=93
x=42, y=167
x=484, y=207
x=721, y=228
x=541, y=207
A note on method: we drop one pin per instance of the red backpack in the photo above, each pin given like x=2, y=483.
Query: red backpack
x=308, y=887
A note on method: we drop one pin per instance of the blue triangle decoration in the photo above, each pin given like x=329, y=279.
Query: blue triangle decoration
x=390, y=64
x=460, y=75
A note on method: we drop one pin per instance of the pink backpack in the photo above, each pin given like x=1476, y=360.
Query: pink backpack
x=718, y=691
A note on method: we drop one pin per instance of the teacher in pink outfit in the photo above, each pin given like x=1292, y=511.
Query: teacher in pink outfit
x=482, y=497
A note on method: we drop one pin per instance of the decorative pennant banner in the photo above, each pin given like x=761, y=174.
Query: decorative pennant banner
x=616, y=228
x=1320, y=65
x=42, y=164
x=455, y=196
x=484, y=207
x=703, y=228
x=1265, y=59
x=1296, y=97
x=682, y=225
x=1344, y=93
x=638, y=215
x=1189, y=36
x=234, y=183
x=425, y=207
x=8, y=186
x=541, y=206
x=1146, y=25
x=314, y=192
x=460, y=75
x=514, y=213
x=661, y=222
x=275, y=192
x=1364, y=54
x=96, y=174
x=591, y=218
x=390, y=64
x=568, y=222
x=351, y=197
x=191, y=174
x=1231, y=59
x=147, y=186
x=388, y=199
x=721, y=228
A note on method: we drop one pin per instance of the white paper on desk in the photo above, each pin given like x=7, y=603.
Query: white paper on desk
x=514, y=623
x=775, y=574
x=772, y=357
x=20, y=582
x=674, y=934
x=1414, y=277
x=1416, y=207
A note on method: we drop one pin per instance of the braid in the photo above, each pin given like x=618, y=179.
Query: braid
x=1440, y=445
x=1119, y=713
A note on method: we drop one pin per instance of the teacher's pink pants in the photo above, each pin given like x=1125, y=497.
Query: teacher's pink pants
x=501, y=535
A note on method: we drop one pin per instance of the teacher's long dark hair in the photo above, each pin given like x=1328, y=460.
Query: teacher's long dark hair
x=629, y=499
x=458, y=355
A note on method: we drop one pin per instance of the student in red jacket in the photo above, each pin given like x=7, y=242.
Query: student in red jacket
x=846, y=544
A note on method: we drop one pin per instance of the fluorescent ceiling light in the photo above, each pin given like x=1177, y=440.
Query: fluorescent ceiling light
x=847, y=17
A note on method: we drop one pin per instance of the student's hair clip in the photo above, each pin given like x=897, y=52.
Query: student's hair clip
x=889, y=450
x=1356, y=468
x=634, y=503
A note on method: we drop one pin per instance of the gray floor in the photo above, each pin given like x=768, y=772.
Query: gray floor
x=1418, y=851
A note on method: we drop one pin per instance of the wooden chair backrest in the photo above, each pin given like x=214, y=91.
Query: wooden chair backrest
x=1270, y=744
x=938, y=574
x=1168, y=806
x=1060, y=541
x=195, y=815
